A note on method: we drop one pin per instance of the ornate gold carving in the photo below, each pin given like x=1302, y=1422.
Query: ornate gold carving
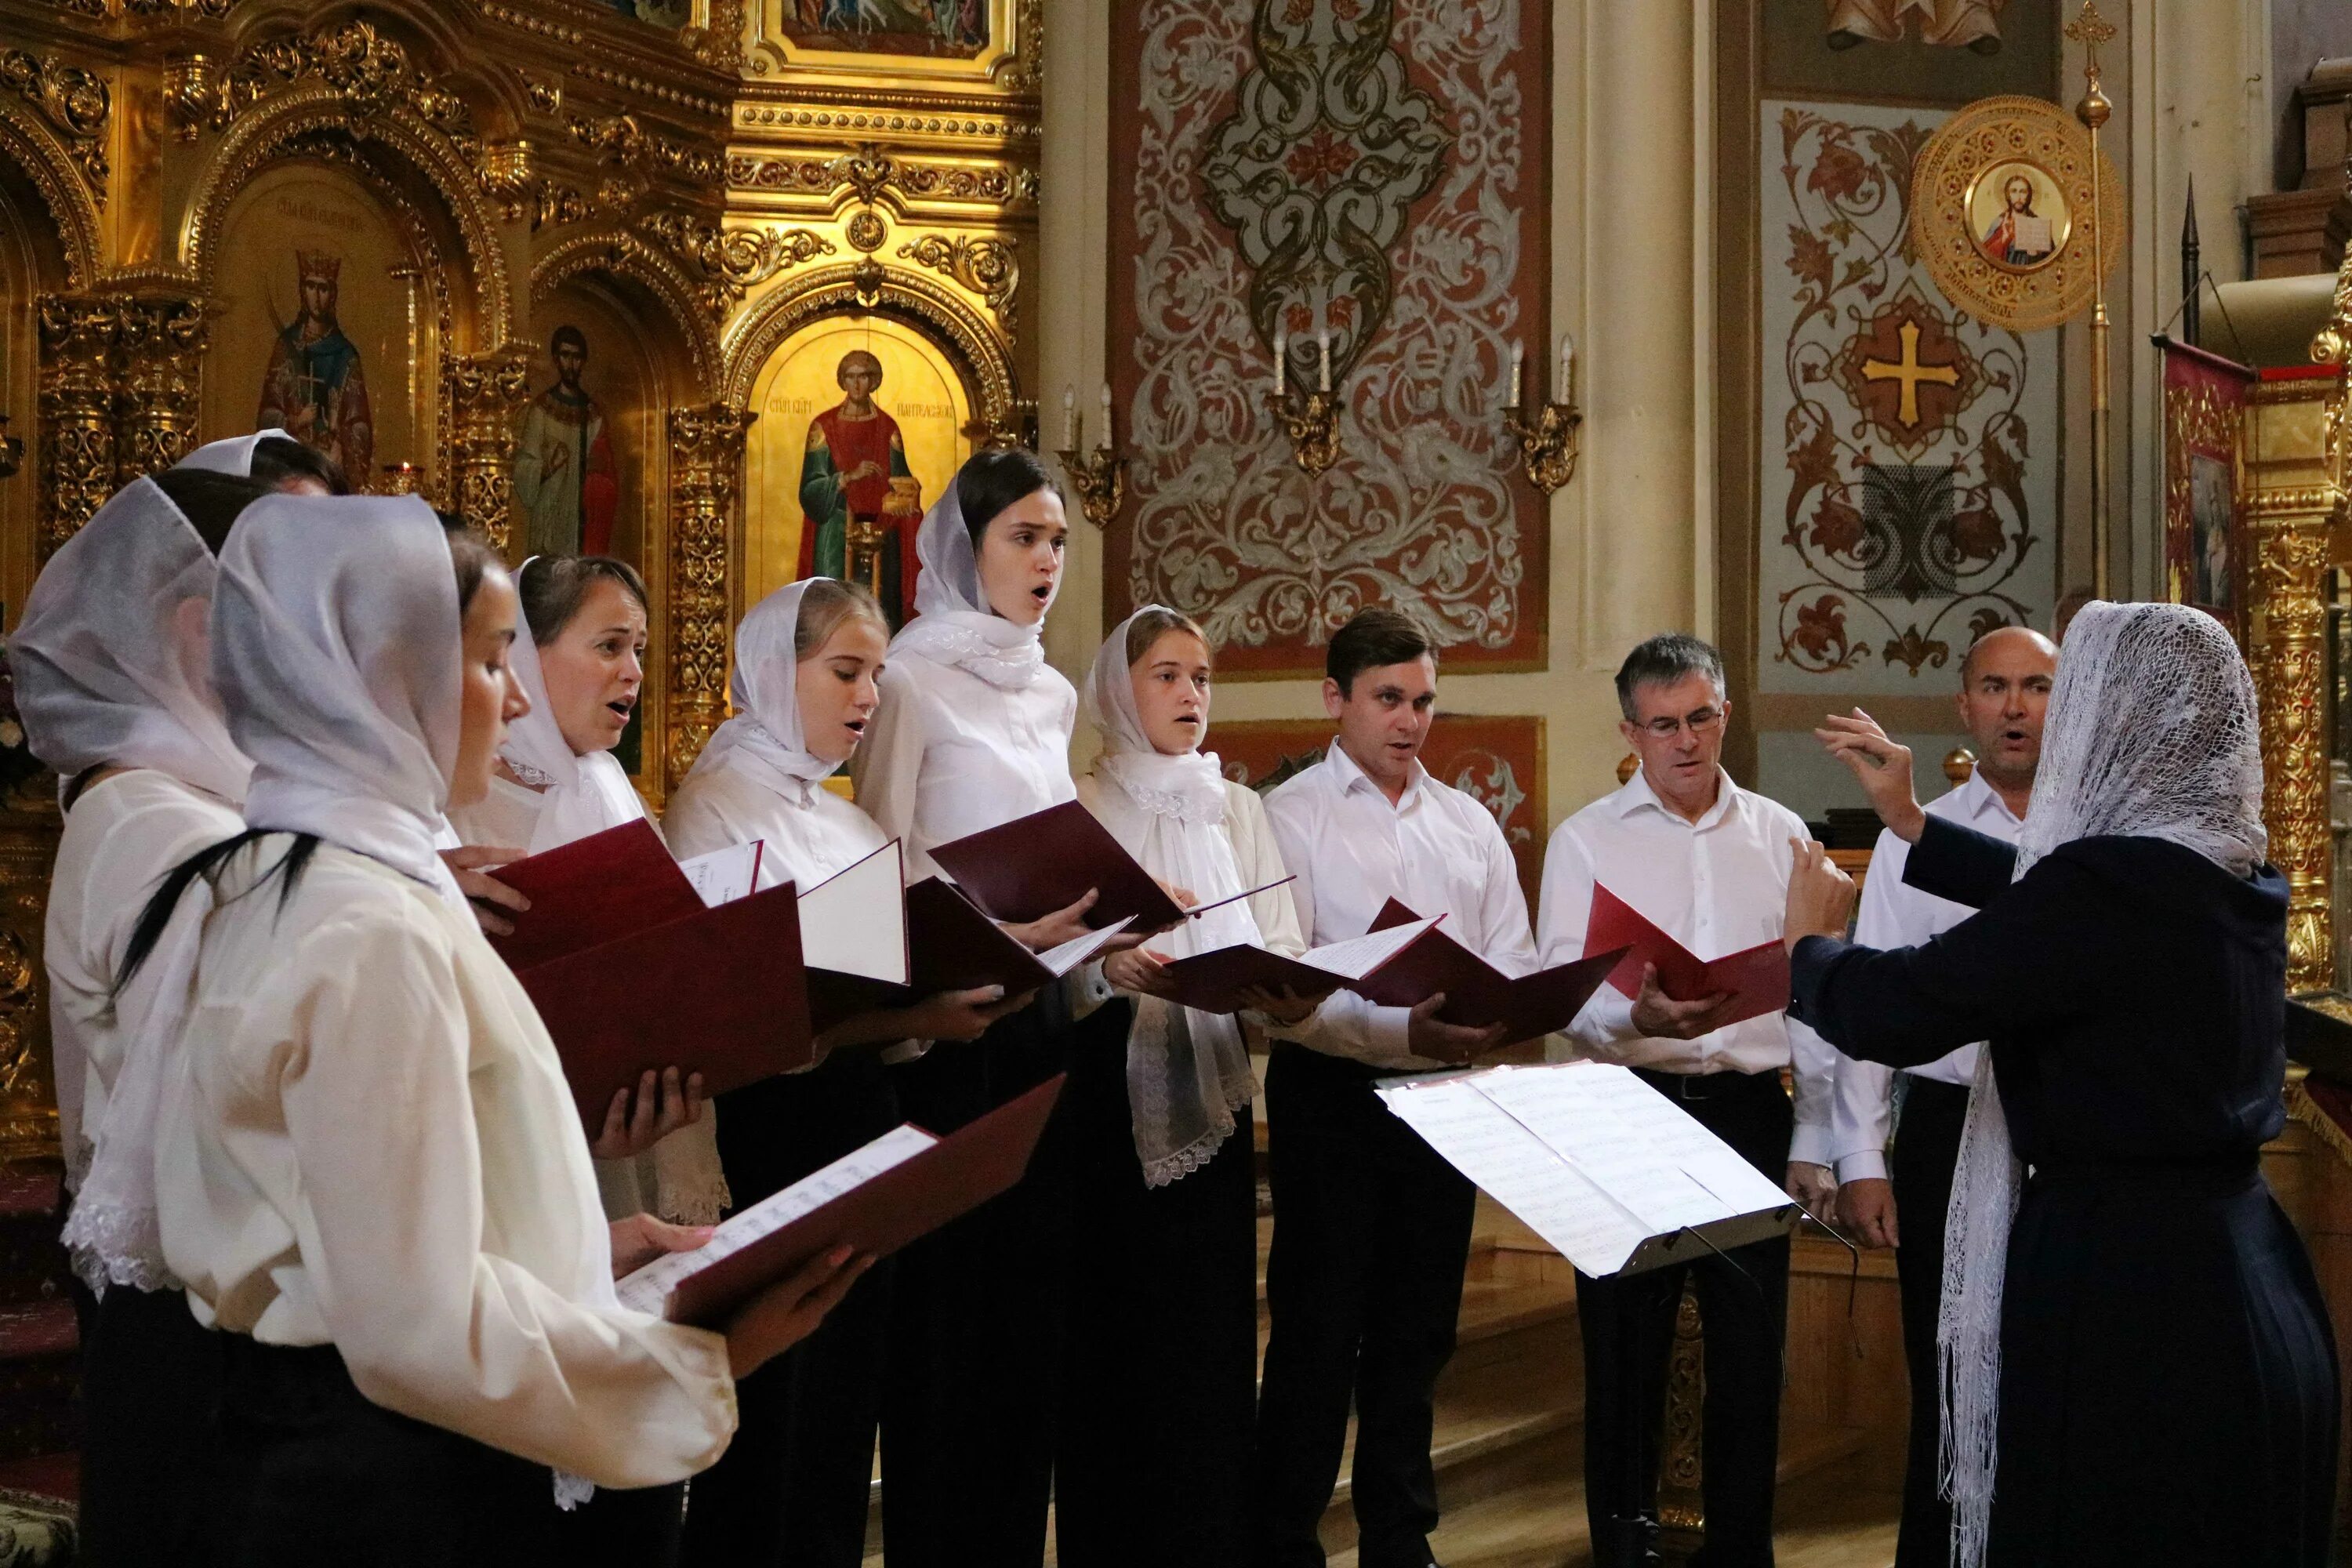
x=78, y=335
x=370, y=72
x=28, y=1123
x=866, y=230
x=1681, y=1508
x=625, y=254
x=621, y=139
x=986, y=266
x=27, y=139
x=547, y=96
x=868, y=285
x=867, y=171
x=509, y=177
x=731, y=260
x=1004, y=187
x=159, y=342
x=1025, y=72
x=74, y=102
x=485, y=393
x=706, y=482
x=2291, y=557
x=721, y=45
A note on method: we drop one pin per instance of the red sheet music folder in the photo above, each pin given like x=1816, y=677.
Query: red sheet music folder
x=953, y=1177
x=1478, y=995
x=1757, y=976
x=954, y=947
x=1045, y=861
x=629, y=971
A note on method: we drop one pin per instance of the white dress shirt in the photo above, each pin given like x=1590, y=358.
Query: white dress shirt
x=1895, y=914
x=1719, y=886
x=1436, y=850
x=370, y=1145
x=948, y=754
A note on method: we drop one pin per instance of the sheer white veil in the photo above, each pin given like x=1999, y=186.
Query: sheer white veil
x=234, y=456
x=2151, y=732
x=953, y=623
x=1188, y=1073
x=579, y=795
x=764, y=736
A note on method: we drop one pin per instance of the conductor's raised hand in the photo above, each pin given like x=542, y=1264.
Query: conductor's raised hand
x=1432, y=1037
x=1820, y=896
x=789, y=1310
x=1049, y=932
x=640, y=1239
x=1660, y=1016
x=960, y=1014
x=1866, y=1204
x=639, y=1118
x=1883, y=767
x=486, y=894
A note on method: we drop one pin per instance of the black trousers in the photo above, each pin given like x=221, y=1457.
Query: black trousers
x=975, y=1332
x=1927, y=1150
x=793, y=1489
x=1372, y=1232
x=1628, y=1321
x=635, y=1527
x=1159, y=1381
x=311, y=1471
x=150, y=1386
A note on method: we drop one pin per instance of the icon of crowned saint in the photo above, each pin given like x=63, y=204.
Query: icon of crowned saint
x=314, y=388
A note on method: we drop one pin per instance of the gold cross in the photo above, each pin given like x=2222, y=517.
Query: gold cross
x=1910, y=372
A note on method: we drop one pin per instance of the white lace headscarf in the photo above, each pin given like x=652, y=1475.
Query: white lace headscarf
x=2151, y=734
x=1188, y=1073
x=234, y=456
x=579, y=794
x=953, y=623
x=764, y=737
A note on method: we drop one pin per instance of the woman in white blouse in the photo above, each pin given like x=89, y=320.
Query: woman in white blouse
x=579, y=656
x=111, y=679
x=369, y=1168
x=973, y=731
x=794, y=1486
x=1161, y=1385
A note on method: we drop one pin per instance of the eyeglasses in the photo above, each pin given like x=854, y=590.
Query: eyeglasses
x=1706, y=721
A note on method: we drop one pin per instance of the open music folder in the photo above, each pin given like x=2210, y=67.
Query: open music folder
x=958, y=948
x=1596, y=1162
x=875, y=1199
x=1756, y=976
x=1028, y=867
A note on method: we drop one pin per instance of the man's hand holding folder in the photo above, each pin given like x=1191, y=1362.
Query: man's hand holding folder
x=1675, y=994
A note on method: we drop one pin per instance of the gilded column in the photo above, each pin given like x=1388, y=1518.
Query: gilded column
x=28, y=1117
x=484, y=395
x=159, y=344
x=2291, y=500
x=76, y=412
x=706, y=447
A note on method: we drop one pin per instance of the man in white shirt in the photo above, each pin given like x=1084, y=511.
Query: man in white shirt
x=2005, y=687
x=1707, y=862
x=1372, y=1227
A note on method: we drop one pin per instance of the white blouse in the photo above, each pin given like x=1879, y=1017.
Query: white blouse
x=948, y=754
x=122, y=834
x=372, y=1146
x=1257, y=855
x=503, y=820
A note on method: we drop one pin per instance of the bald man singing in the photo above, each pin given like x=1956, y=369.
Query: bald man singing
x=2004, y=686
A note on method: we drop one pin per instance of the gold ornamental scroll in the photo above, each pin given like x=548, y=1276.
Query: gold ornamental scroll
x=707, y=468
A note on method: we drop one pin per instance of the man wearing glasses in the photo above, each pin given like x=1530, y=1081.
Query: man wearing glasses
x=1707, y=862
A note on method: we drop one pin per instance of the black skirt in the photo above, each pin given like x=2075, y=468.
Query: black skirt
x=151, y=1379
x=2168, y=1381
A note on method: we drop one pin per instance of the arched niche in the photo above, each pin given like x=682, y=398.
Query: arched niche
x=38, y=255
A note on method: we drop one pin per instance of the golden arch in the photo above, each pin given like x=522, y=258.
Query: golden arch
x=35, y=150
x=624, y=255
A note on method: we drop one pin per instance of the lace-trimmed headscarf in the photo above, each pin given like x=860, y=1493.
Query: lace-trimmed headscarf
x=1188, y=1073
x=2151, y=734
x=953, y=623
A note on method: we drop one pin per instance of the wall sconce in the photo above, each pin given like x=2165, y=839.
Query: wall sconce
x=1547, y=444
x=1312, y=420
x=401, y=479
x=12, y=451
x=1100, y=479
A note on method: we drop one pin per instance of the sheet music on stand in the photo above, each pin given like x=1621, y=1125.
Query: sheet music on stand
x=1594, y=1161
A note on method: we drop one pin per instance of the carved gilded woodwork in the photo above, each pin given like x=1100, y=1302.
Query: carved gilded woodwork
x=159, y=343
x=706, y=447
x=28, y=142
x=484, y=395
x=622, y=253
x=75, y=102
x=76, y=412
x=28, y=1117
x=1682, y=1510
x=983, y=266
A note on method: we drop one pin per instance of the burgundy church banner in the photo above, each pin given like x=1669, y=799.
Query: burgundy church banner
x=1371, y=175
x=2205, y=543
x=1499, y=760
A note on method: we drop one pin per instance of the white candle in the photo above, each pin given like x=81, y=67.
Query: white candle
x=1567, y=369
x=1323, y=346
x=1281, y=359
x=1518, y=360
x=1069, y=419
x=1110, y=438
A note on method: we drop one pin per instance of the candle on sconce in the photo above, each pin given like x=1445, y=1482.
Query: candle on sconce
x=1323, y=359
x=1281, y=359
x=1069, y=417
x=1110, y=438
x=1567, y=370
x=1518, y=362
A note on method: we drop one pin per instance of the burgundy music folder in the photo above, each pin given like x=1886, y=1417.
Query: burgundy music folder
x=953, y=1176
x=1757, y=976
x=956, y=947
x=590, y=891
x=1477, y=995
x=1045, y=861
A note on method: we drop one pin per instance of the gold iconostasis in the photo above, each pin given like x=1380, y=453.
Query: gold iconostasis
x=725, y=288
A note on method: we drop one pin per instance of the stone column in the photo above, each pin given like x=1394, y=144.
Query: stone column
x=159, y=345
x=77, y=413
x=705, y=454
x=484, y=394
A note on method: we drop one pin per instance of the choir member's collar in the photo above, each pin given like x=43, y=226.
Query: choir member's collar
x=1637, y=794
x=1350, y=774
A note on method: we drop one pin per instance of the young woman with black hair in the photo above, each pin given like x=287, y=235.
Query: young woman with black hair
x=112, y=679
x=273, y=458
x=370, y=1171
x=973, y=731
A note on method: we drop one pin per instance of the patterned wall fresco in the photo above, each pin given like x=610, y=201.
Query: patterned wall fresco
x=1371, y=169
x=1498, y=760
x=1908, y=482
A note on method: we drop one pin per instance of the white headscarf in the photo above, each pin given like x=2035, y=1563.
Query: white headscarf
x=953, y=623
x=107, y=669
x=578, y=794
x=234, y=456
x=335, y=644
x=2152, y=732
x=1187, y=1072
x=765, y=737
